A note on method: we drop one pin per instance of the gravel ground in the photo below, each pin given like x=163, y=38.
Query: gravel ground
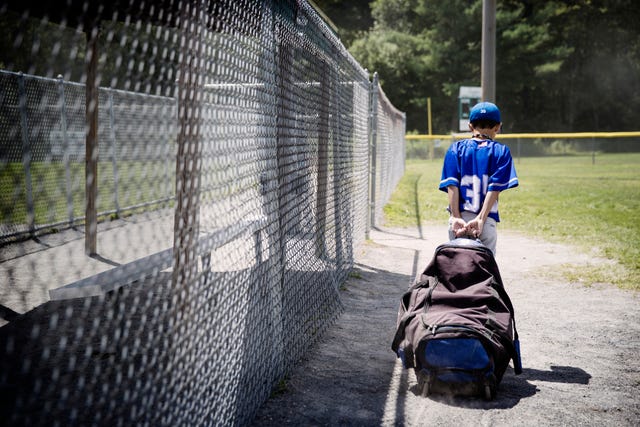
x=580, y=347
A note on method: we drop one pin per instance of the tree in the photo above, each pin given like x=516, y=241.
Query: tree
x=421, y=49
x=353, y=18
x=599, y=88
x=562, y=65
x=40, y=48
x=529, y=65
x=551, y=67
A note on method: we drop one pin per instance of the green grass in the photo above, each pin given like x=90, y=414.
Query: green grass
x=594, y=207
x=139, y=182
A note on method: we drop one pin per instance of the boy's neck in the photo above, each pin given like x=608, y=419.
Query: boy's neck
x=483, y=135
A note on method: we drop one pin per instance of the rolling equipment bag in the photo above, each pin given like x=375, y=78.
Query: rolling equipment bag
x=456, y=325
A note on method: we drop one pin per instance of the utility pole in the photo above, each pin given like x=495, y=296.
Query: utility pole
x=488, y=66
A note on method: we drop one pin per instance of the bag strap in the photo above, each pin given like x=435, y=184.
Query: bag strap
x=514, y=348
x=402, y=324
x=408, y=316
x=517, y=360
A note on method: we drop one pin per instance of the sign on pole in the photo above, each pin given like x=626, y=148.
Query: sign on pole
x=467, y=98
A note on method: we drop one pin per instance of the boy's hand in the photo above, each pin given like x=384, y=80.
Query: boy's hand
x=474, y=227
x=458, y=226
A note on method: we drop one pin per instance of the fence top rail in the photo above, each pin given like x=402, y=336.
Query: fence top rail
x=59, y=79
x=101, y=283
x=534, y=135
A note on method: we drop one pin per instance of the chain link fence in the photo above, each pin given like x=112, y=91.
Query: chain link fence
x=388, y=153
x=42, y=138
x=181, y=200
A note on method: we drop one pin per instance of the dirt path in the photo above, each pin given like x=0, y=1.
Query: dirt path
x=580, y=347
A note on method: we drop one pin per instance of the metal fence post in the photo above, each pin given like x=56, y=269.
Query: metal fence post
x=91, y=144
x=184, y=280
x=186, y=225
x=65, y=149
x=373, y=120
x=338, y=184
x=26, y=154
x=272, y=62
x=114, y=154
x=168, y=155
x=322, y=194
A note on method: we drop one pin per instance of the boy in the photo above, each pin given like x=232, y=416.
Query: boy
x=474, y=173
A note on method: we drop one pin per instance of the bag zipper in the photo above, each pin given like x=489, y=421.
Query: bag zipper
x=439, y=329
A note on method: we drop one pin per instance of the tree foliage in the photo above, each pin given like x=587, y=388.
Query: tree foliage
x=561, y=65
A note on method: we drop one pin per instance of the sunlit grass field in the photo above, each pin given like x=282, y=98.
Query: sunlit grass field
x=567, y=199
x=59, y=193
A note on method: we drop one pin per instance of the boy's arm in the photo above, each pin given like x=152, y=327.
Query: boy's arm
x=457, y=224
x=454, y=200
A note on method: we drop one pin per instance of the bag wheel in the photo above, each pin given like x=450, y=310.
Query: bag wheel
x=426, y=389
x=490, y=391
x=490, y=388
x=424, y=384
x=488, y=395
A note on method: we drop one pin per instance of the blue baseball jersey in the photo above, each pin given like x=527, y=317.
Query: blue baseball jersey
x=477, y=167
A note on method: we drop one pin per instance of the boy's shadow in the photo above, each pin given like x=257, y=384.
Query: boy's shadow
x=513, y=388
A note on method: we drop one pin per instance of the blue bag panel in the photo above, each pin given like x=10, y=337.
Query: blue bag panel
x=402, y=357
x=517, y=362
x=456, y=353
x=457, y=377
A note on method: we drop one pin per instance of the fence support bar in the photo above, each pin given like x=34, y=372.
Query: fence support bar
x=26, y=154
x=91, y=142
x=65, y=149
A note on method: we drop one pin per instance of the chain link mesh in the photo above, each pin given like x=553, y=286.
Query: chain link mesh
x=236, y=147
